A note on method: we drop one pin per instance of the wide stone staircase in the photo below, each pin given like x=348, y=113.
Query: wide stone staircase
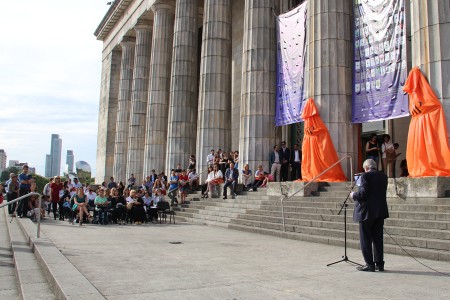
x=420, y=225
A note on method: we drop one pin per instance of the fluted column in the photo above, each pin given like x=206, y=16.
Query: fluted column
x=183, y=108
x=257, y=131
x=108, y=114
x=329, y=71
x=123, y=109
x=430, y=22
x=214, y=119
x=158, y=94
x=136, y=137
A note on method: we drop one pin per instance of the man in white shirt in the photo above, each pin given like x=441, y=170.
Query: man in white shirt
x=275, y=163
x=76, y=184
x=210, y=158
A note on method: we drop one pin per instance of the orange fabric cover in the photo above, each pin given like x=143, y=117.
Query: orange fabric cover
x=427, y=151
x=318, y=151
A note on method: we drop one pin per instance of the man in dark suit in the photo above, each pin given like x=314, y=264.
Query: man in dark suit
x=285, y=157
x=296, y=163
x=231, y=178
x=370, y=211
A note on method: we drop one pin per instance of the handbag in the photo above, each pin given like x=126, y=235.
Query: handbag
x=75, y=207
x=390, y=154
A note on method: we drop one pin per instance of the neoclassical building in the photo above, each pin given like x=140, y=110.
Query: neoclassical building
x=187, y=76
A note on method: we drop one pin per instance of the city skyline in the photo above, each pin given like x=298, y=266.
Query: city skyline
x=50, y=68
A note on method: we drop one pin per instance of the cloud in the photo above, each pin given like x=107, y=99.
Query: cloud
x=50, y=71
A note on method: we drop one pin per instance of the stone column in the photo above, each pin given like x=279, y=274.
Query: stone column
x=430, y=22
x=136, y=137
x=123, y=109
x=329, y=71
x=257, y=131
x=158, y=95
x=214, y=120
x=183, y=108
x=108, y=115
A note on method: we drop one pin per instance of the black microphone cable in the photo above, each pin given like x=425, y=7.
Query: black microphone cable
x=439, y=272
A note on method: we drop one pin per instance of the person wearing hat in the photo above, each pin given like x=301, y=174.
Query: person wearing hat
x=13, y=192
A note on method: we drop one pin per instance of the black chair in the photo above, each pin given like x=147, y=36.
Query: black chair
x=164, y=210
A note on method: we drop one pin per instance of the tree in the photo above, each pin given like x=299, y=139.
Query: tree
x=5, y=173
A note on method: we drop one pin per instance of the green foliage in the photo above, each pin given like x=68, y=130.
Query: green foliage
x=5, y=173
x=41, y=181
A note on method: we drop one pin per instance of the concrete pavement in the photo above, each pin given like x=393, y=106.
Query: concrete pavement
x=186, y=261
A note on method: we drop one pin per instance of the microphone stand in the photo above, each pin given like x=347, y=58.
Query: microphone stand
x=344, y=207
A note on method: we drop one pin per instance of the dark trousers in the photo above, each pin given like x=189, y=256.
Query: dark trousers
x=12, y=207
x=296, y=170
x=256, y=184
x=284, y=172
x=55, y=208
x=232, y=185
x=22, y=209
x=371, y=234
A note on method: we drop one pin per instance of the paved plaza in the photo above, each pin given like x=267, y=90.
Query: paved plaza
x=184, y=261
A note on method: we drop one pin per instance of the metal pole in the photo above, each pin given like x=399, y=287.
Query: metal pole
x=39, y=217
x=282, y=214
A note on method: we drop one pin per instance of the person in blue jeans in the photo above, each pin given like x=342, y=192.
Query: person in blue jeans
x=173, y=187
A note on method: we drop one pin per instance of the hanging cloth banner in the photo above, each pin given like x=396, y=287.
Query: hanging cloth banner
x=427, y=150
x=379, y=69
x=318, y=152
x=291, y=55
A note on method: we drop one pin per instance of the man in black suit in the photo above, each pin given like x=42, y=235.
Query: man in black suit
x=370, y=211
x=296, y=163
x=231, y=178
x=285, y=157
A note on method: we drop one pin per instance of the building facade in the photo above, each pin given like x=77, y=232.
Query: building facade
x=3, y=158
x=53, y=160
x=69, y=160
x=187, y=76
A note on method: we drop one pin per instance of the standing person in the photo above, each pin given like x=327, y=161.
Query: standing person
x=173, y=187
x=154, y=176
x=13, y=192
x=183, y=182
x=25, y=181
x=46, y=194
x=370, y=211
x=275, y=163
x=388, y=155
x=296, y=163
x=55, y=188
x=131, y=181
x=210, y=158
x=372, y=150
x=285, y=157
x=231, y=178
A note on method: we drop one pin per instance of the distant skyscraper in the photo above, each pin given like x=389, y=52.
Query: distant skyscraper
x=69, y=160
x=53, y=160
x=2, y=159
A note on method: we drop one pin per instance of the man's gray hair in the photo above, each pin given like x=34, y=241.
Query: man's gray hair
x=370, y=163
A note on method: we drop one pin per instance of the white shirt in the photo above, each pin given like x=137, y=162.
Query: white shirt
x=212, y=176
x=76, y=185
x=277, y=157
x=91, y=196
x=210, y=158
x=296, y=156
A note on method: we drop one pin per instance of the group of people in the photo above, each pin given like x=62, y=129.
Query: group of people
x=388, y=152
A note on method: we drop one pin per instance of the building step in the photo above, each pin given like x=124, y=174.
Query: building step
x=9, y=284
x=388, y=248
x=32, y=281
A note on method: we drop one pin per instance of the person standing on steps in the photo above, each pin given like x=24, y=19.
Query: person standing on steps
x=370, y=211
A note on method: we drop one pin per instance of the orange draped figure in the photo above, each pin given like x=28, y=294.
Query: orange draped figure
x=427, y=151
x=318, y=151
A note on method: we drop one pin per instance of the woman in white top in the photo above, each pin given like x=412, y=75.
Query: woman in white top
x=387, y=148
x=215, y=177
x=247, y=176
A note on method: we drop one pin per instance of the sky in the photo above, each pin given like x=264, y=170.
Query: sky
x=50, y=71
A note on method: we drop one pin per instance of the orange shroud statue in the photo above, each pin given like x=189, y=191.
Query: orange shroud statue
x=427, y=151
x=318, y=152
